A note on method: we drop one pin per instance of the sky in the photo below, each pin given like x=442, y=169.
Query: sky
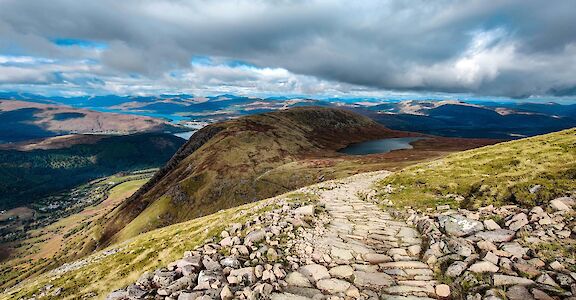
x=518, y=49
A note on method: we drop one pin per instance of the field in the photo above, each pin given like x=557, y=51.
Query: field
x=527, y=172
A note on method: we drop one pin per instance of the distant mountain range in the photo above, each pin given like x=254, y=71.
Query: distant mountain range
x=501, y=120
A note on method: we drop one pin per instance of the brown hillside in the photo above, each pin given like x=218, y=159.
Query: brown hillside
x=230, y=163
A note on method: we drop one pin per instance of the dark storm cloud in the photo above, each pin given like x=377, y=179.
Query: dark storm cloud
x=512, y=48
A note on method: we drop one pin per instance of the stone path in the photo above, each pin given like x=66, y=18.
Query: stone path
x=366, y=253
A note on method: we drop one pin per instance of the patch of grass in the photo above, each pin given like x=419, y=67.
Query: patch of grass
x=499, y=174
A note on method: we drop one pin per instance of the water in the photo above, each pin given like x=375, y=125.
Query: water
x=185, y=135
x=380, y=146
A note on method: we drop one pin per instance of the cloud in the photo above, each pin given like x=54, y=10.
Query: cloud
x=515, y=48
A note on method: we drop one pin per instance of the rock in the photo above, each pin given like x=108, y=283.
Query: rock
x=307, y=210
x=518, y=292
x=343, y=272
x=372, y=280
x=484, y=267
x=162, y=279
x=460, y=247
x=231, y=262
x=496, y=236
x=226, y=293
x=314, y=272
x=404, y=265
x=526, y=270
x=332, y=285
x=352, y=292
x=376, y=258
x=254, y=237
x=491, y=257
x=534, y=189
x=226, y=242
x=415, y=250
x=244, y=273
x=210, y=264
x=271, y=254
x=116, y=295
x=517, y=222
x=135, y=292
x=455, y=269
x=189, y=296
x=443, y=207
x=560, y=204
x=546, y=279
x=486, y=246
x=341, y=254
x=556, y=266
x=195, y=261
x=491, y=224
x=287, y=296
x=443, y=290
x=297, y=279
x=459, y=226
x=540, y=295
x=505, y=280
x=179, y=284
x=515, y=249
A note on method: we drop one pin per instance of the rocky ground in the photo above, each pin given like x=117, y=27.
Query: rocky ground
x=331, y=241
x=502, y=253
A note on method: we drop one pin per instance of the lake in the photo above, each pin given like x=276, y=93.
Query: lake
x=380, y=146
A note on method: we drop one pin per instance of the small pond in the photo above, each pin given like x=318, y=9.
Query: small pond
x=380, y=146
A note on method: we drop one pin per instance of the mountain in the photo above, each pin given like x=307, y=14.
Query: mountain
x=29, y=120
x=331, y=236
x=60, y=163
x=460, y=119
x=239, y=161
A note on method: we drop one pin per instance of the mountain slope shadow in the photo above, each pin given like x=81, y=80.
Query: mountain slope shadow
x=225, y=164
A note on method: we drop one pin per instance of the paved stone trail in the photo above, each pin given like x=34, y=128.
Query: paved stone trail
x=362, y=245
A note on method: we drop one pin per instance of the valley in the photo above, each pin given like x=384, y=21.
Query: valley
x=266, y=155
x=342, y=237
x=59, y=229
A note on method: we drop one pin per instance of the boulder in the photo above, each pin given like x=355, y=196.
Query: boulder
x=562, y=204
x=483, y=267
x=307, y=210
x=442, y=290
x=491, y=224
x=254, y=237
x=496, y=236
x=343, y=272
x=506, y=280
x=297, y=279
x=333, y=285
x=459, y=226
x=314, y=272
x=518, y=292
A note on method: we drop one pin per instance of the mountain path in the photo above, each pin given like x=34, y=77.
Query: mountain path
x=367, y=252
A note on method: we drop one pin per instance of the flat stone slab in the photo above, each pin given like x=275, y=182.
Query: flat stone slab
x=404, y=265
x=372, y=280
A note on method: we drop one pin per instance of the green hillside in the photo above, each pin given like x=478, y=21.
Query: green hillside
x=527, y=172
x=29, y=175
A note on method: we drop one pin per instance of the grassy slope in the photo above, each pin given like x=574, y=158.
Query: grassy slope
x=498, y=174
x=231, y=167
x=146, y=252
